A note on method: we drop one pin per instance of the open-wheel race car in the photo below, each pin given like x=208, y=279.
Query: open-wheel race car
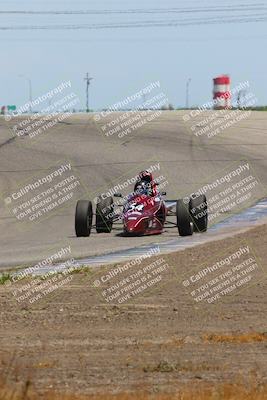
x=143, y=212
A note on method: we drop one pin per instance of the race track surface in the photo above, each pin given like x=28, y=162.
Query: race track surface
x=184, y=160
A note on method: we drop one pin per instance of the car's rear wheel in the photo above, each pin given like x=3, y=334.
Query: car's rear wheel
x=184, y=221
x=104, y=215
x=199, y=212
x=83, y=218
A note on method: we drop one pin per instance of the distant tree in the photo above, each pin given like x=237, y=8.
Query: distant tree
x=167, y=107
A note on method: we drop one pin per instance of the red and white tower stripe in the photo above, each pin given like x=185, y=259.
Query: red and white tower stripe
x=221, y=92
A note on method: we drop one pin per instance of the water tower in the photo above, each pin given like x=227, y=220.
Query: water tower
x=221, y=92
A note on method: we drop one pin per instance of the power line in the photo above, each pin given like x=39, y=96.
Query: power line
x=238, y=7
x=143, y=24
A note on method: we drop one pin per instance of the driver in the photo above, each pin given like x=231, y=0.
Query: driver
x=143, y=188
x=145, y=178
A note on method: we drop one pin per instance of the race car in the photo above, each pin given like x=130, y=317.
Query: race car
x=142, y=212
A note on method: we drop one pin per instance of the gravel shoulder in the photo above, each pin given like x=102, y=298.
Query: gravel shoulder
x=72, y=340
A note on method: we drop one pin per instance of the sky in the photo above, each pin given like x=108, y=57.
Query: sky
x=122, y=61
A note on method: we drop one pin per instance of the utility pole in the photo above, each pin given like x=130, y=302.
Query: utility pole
x=30, y=93
x=144, y=100
x=87, y=80
x=240, y=94
x=187, y=93
x=30, y=90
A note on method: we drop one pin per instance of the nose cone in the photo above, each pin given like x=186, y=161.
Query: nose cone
x=130, y=225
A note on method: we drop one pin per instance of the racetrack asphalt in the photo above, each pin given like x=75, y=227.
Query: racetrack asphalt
x=186, y=161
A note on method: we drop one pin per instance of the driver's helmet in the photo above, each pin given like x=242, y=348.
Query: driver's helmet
x=145, y=176
x=143, y=188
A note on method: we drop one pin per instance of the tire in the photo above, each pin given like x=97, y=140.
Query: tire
x=184, y=221
x=83, y=218
x=104, y=219
x=199, y=213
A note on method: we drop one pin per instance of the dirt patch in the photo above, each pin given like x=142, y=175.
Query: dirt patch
x=251, y=337
x=159, y=341
x=200, y=392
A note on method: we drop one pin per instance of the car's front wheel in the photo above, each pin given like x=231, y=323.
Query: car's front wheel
x=184, y=221
x=199, y=212
x=83, y=218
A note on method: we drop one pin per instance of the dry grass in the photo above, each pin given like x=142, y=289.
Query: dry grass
x=194, y=392
x=251, y=337
x=185, y=366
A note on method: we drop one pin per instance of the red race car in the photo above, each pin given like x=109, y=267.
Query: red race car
x=143, y=212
